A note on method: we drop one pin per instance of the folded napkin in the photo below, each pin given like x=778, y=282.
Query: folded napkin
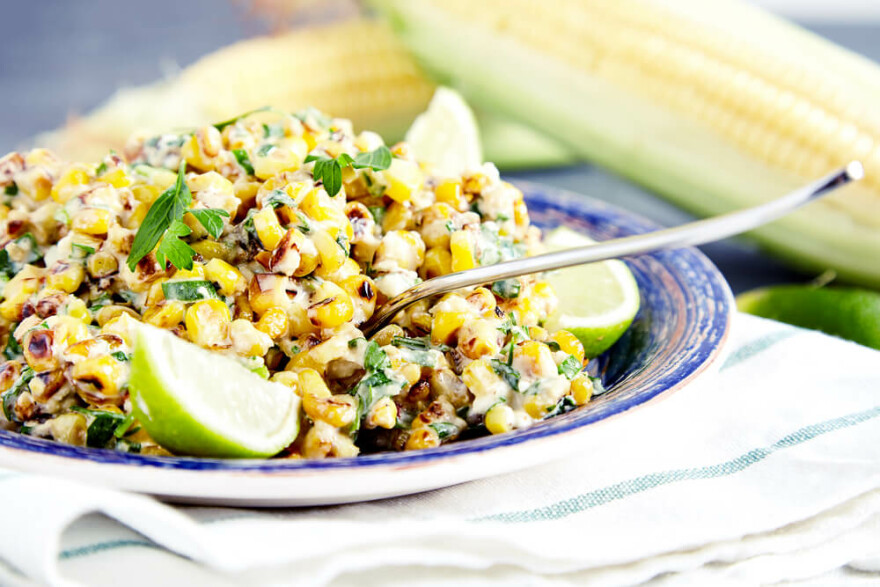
x=768, y=471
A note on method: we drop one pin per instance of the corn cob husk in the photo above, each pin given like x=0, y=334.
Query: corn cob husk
x=356, y=69
x=714, y=104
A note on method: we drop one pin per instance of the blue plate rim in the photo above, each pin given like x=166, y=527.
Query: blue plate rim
x=703, y=355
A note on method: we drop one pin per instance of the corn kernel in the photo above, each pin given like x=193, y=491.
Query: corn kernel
x=445, y=325
x=209, y=249
x=117, y=178
x=274, y=323
x=78, y=309
x=207, y=323
x=332, y=254
x=288, y=378
x=499, y=419
x=569, y=343
x=98, y=379
x=331, y=306
x=66, y=277
x=404, y=178
x=69, y=428
x=92, y=221
x=462, y=251
x=438, y=261
x=69, y=184
x=581, y=389
x=269, y=230
x=383, y=414
x=229, y=279
x=421, y=438
x=102, y=265
x=337, y=410
x=449, y=192
x=280, y=159
x=247, y=341
x=166, y=315
x=265, y=291
x=313, y=383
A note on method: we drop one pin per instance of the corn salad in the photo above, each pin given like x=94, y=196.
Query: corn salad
x=293, y=230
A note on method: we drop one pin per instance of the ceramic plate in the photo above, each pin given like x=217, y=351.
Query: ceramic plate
x=678, y=333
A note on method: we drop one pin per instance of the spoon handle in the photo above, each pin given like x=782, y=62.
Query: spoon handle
x=690, y=234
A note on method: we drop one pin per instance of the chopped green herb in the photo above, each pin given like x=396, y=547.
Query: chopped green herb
x=506, y=372
x=378, y=213
x=273, y=130
x=6, y=267
x=343, y=243
x=312, y=114
x=13, y=349
x=444, y=429
x=242, y=157
x=101, y=169
x=11, y=189
x=598, y=388
x=570, y=367
x=375, y=358
x=329, y=171
x=120, y=356
x=279, y=198
x=99, y=302
x=28, y=242
x=507, y=288
x=80, y=251
x=554, y=346
x=262, y=371
x=502, y=218
x=416, y=344
x=450, y=226
x=123, y=426
x=353, y=343
x=265, y=149
x=566, y=404
x=62, y=216
x=189, y=291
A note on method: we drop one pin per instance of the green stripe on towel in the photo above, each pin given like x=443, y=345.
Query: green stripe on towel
x=756, y=347
x=585, y=501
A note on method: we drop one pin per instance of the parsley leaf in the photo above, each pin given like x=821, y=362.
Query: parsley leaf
x=211, y=219
x=175, y=250
x=167, y=208
x=506, y=372
x=377, y=160
x=329, y=171
x=375, y=358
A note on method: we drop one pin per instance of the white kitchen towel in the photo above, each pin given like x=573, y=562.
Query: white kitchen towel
x=767, y=472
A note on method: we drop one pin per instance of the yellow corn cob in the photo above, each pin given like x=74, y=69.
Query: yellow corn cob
x=356, y=69
x=716, y=105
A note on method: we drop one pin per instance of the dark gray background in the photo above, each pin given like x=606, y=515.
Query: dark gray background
x=59, y=57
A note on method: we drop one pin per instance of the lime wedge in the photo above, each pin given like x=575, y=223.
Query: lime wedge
x=195, y=402
x=446, y=134
x=597, y=302
x=850, y=313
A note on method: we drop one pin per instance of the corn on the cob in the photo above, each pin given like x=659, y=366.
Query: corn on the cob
x=322, y=67
x=716, y=105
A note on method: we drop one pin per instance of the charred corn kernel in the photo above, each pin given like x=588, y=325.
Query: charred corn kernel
x=499, y=419
x=269, y=230
x=299, y=320
x=207, y=323
x=280, y=159
x=424, y=437
x=229, y=280
x=116, y=177
x=387, y=334
x=313, y=383
x=274, y=322
x=247, y=341
x=398, y=217
x=362, y=291
x=382, y=415
x=349, y=268
x=462, y=251
x=337, y=410
x=265, y=291
x=581, y=389
x=404, y=178
x=80, y=350
x=331, y=252
x=101, y=265
x=108, y=313
x=324, y=440
x=70, y=428
x=569, y=343
x=449, y=192
x=445, y=325
x=332, y=306
x=209, y=249
x=438, y=261
x=38, y=348
x=166, y=315
x=69, y=184
x=92, y=221
x=76, y=308
x=155, y=294
x=478, y=338
x=288, y=378
x=98, y=378
x=479, y=377
x=66, y=277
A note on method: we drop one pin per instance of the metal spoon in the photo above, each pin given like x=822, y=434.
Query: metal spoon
x=693, y=233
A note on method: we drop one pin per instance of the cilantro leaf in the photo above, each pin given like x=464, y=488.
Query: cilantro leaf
x=175, y=250
x=211, y=219
x=10, y=396
x=375, y=358
x=13, y=349
x=506, y=372
x=167, y=208
x=444, y=429
x=278, y=198
x=377, y=159
x=507, y=288
x=329, y=171
x=120, y=356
